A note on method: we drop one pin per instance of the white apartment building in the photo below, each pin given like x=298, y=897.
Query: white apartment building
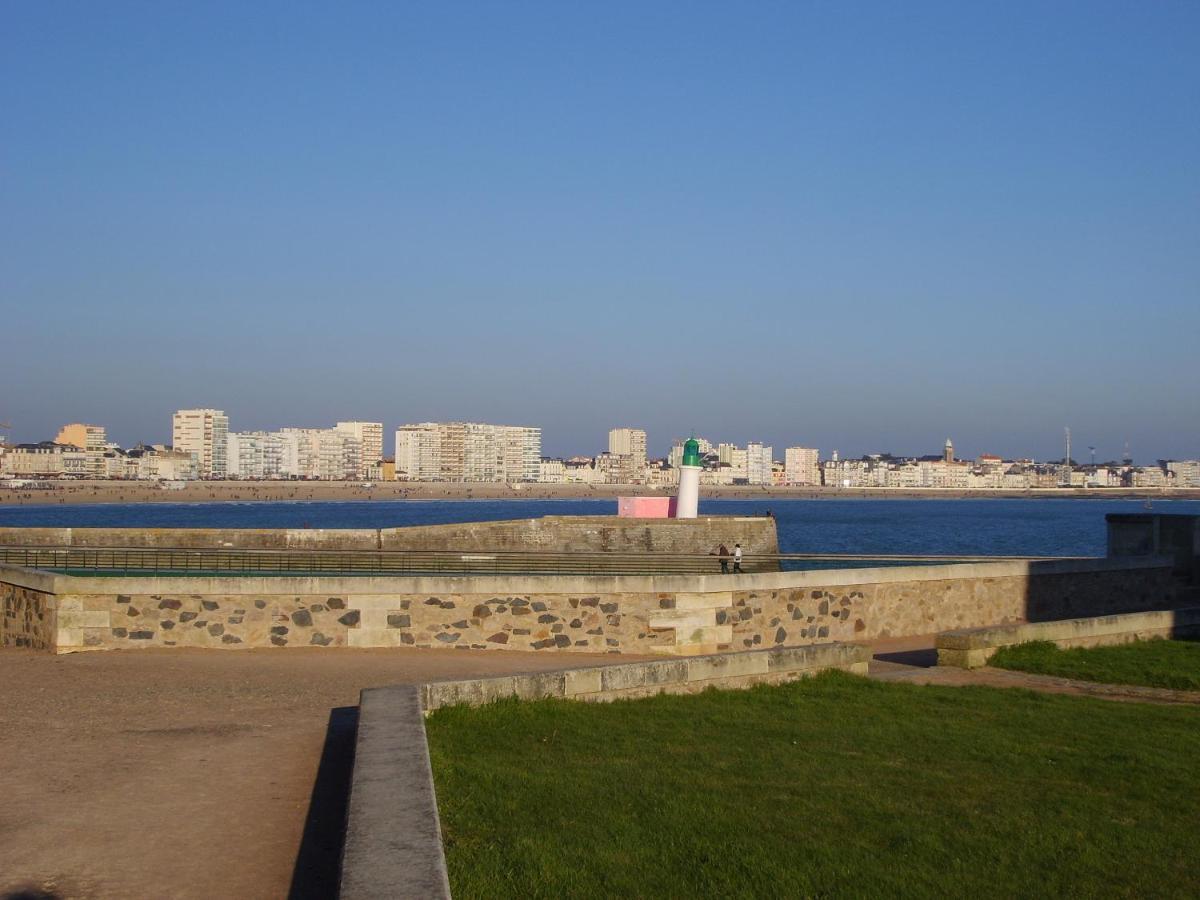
x=468, y=451
x=905, y=475
x=801, y=465
x=45, y=458
x=326, y=454
x=1149, y=476
x=523, y=452
x=552, y=471
x=1186, y=472
x=370, y=439
x=159, y=463
x=758, y=463
x=945, y=474
x=204, y=434
x=418, y=452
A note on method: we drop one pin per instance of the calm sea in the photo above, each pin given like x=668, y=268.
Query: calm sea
x=998, y=527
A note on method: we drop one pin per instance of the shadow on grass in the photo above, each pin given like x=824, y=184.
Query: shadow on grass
x=318, y=862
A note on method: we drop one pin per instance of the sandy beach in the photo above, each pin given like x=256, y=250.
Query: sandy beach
x=73, y=492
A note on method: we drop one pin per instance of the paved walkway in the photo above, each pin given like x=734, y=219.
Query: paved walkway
x=914, y=660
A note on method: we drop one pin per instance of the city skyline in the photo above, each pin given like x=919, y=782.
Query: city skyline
x=851, y=227
x=657, y=446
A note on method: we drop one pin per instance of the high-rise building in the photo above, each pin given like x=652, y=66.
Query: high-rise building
x=370, y=440
x=801, y=465
x=468, y=451
x=204, y=434
x=758, y=463
x=419, y=452
x=629, y=446
x=85, y=437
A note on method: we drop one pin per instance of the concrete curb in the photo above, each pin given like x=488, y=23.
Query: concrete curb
x=645, y=678
x=970, y=648
x=393, y=844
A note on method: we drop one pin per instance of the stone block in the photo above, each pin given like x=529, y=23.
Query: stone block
x=707, y=600
x=80, y=618
x=641, y=674
x=374, y=637
x=683, y=620
x=729, y=665
x=582, y=681
x=68, y=639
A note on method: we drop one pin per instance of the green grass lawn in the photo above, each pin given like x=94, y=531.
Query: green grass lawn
x=835, y=786
x=1154, y=663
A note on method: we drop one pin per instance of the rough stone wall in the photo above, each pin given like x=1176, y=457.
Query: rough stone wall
x=870, y=611
x=585, y=613
x=28, y=618
x=581, y=622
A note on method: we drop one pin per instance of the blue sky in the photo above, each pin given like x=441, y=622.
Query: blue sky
x=861, y=226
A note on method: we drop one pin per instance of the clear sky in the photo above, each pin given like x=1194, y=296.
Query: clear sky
x=855, y=226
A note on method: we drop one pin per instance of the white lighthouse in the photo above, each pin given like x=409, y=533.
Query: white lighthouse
x=688, y=501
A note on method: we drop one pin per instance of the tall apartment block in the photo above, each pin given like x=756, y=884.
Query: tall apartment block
x=801, y=465
x=629, y=446
x=758, y=463
x=204, y=434
x=468, y=451
x=370, y=442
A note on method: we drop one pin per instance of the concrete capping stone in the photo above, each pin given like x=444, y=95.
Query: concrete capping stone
x=34, y=579
x=717, y=585
x=652, y=676
x=972, y=647
x=393, y=845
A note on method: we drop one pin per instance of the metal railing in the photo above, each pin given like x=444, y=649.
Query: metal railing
x=233, y=561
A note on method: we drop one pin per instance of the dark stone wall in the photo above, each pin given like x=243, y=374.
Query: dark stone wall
x=28, y=618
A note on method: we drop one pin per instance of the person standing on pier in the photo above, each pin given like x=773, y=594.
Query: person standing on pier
x=737, y=559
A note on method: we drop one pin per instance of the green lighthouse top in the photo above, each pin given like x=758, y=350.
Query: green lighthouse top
x=691, y=452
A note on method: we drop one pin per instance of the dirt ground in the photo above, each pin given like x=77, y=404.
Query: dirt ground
x=192, y=773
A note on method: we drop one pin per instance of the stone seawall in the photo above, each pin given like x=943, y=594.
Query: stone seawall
x=566, y=534
x=682, y=615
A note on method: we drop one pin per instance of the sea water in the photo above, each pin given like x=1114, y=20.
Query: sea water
x=997, y=527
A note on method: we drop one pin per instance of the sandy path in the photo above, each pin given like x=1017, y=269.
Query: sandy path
x=189, y=773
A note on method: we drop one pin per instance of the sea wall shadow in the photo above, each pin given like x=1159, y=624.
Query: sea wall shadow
x=318, y=861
